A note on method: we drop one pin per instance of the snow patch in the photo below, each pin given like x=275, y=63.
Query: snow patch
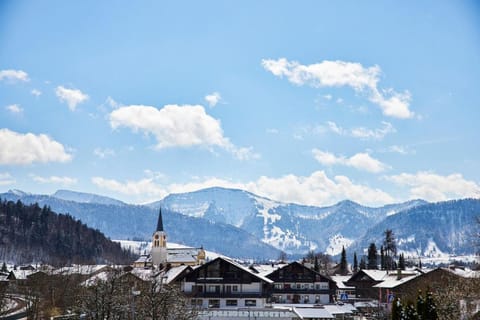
x=336, y=243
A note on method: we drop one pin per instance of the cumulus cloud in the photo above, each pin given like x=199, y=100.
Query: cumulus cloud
x=14, y=75
x=14, y=108
x=361, y=132
x=144, y=187
x=36, y=92
x=361, y=161
x=65, y=181
x=316, y=189
x=177, y=126
x=72, y=97
x=6, y=179
x=103, y=153
x=340, y=73
x=213, y=99
x=434, y=187
x=365, y=133
x=21, y=149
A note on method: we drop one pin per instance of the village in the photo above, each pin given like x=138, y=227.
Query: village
x=183, y=283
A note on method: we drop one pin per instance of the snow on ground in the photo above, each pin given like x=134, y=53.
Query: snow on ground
x=337, y=242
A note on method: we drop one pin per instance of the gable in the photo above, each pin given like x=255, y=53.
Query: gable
x=297, y=272
x=221, y=270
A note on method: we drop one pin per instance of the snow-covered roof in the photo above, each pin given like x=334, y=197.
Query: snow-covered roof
x=340, y=281
x=246, y=269
x=171, y=274
x=144, y=274
x=22, y=274
x=266, y=269
x=392, y=280
x=93, y=280
x=464, y=272
x=377, y=275
x=313, y=313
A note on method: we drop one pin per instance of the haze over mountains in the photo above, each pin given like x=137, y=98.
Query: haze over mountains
x=240, y=224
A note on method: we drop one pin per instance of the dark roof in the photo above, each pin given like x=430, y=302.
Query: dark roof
x=160, y=221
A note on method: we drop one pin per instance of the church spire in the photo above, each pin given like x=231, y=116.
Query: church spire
x=160, y=221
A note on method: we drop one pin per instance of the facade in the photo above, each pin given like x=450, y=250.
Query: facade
x=223, y=283
x=295, y=283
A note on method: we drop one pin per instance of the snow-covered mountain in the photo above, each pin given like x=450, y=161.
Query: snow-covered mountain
x=85, y=197
x=431, y=230
x=128, y=221
x=291, y=228
x=241, y=224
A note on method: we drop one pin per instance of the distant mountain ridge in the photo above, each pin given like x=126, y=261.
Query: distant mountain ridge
x=241, y=224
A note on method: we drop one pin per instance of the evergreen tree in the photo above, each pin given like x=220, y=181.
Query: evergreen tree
x=343, y=262
x=390, y=248
x=363, y=264
x=316, y=266
x=430, y=308
x=421, y=310
x=372, y=257
x=4, y=268
x=355, y=262
x=397, y=309
x=382, y=259
x=410, y=313
x=401, y=262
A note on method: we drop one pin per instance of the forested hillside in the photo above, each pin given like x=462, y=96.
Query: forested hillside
x=29, y=233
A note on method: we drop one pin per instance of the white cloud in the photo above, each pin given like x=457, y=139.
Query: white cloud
x=400, y=149
x=362, y=132
x=434, y=187
x=339, y=74
x=36, y=92
x=65, y=181
x=13, y=75
x=144, y=187
x=20, y=149
x=103, y=153
x=317, y=189
x=72, y=97
x=6, y=179
x=361, y=161
x=378, y=134
x=213, y=99
x=14, y=108
x=177, y=126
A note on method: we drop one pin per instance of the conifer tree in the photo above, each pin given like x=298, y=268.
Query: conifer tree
x=382, y=259
x=4, y=268
x=363, y=264
x=343, y=262
x=316, y=266
x=372, y=257
x=401, y=262
x=410, y=313
x=421, y=310
x=430, y=308
x=390, y=248
x=355, y=262
x=397, y=309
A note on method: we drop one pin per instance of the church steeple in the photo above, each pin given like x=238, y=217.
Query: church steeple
x=159, y=243
x=160, y=221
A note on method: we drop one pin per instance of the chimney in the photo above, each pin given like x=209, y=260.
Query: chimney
x=399, y=274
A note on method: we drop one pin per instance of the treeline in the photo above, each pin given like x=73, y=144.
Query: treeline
x=29, y=233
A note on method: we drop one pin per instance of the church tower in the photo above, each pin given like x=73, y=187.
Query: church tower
x=159, y=243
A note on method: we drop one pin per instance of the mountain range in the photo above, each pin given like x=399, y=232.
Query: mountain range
x=243, y=225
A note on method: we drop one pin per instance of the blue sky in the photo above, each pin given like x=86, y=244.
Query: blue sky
x=308, y=101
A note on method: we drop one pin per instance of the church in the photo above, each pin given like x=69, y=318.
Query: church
x=161, y=255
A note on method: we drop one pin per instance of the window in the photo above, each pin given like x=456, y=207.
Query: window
x=214, y=303
x=231, y=303
x=235, y=288
x=215, y=289
x=278, y=285
x=250, y=303
x=196, y=302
